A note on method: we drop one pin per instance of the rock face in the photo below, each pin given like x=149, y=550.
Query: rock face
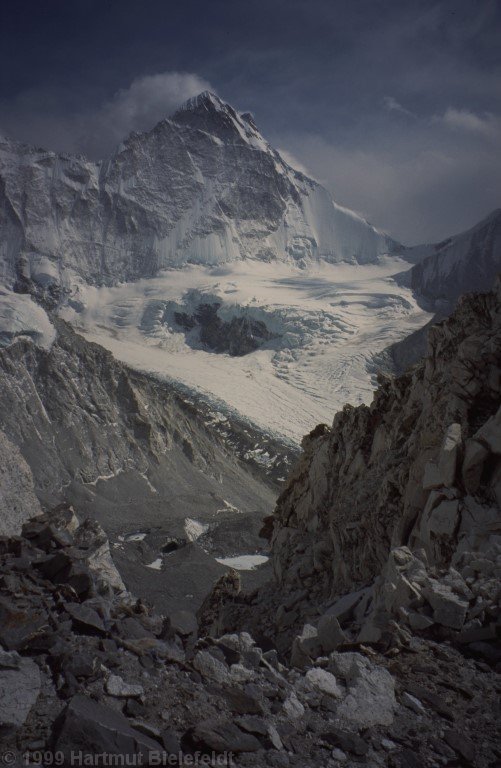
x=201, y=187
x=17, y=496
x=401, y=471
x=116, y=421
x=387, y=546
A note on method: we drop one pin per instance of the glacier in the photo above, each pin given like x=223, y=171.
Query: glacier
x=328, y=321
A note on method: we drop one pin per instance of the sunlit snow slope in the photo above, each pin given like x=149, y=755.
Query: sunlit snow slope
x=326, y=322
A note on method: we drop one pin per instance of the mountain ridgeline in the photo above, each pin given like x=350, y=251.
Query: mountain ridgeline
x=201, y=187
x=460, y=264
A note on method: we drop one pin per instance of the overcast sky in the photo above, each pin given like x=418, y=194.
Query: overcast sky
x=395, y=105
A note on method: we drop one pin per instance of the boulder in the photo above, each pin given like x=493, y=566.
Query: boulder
x=397, y=589
x=116, y=686
x=92, y=728
x=85, y=619
x=56, y=567
x=305, y=647
x=253, y=724
x=444, y=518
x=81, y=665
x=20, y=686
x=219, y=736
x=9, y=660
x=411, y=702
x=330, y=634
x=475, y=455
x=461, y=744
x=348, y=742
x=324, y=682
x=241, y=674
x=419, y=621
x=344, y=608
x=293, y=708
x=265, y=732
x=431, y=477
x=449, y=609
x=241, y=702
x=211, y=668
x=490, y=433
x=370, y=698
x=19, y=625
x=274, y=739
x=100, y=563
x=150, y=646
x=92, y=538
x=132, y=628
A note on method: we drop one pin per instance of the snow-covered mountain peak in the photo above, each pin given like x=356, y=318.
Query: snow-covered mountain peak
x=211, y=114
x=207, y=100
x=201, y=187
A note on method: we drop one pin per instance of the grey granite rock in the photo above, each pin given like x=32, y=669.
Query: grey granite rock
x=18, y=501
x=88, y=727
x=19, y=689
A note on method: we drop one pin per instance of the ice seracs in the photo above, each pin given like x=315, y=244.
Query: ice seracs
x=323, y=325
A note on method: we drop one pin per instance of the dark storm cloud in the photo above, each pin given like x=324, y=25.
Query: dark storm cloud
x=395, y=106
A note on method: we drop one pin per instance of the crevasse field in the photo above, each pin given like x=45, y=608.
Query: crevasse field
x=328, y=322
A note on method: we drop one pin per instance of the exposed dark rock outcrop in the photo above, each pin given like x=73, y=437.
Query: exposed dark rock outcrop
x=238, y=336
x=17, y=496
x=361, y=487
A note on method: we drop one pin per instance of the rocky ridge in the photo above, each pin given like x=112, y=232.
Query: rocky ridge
x=388, y=535
x=459, y=264
x=444, y=271
x=380, y=476
x=238, y=336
